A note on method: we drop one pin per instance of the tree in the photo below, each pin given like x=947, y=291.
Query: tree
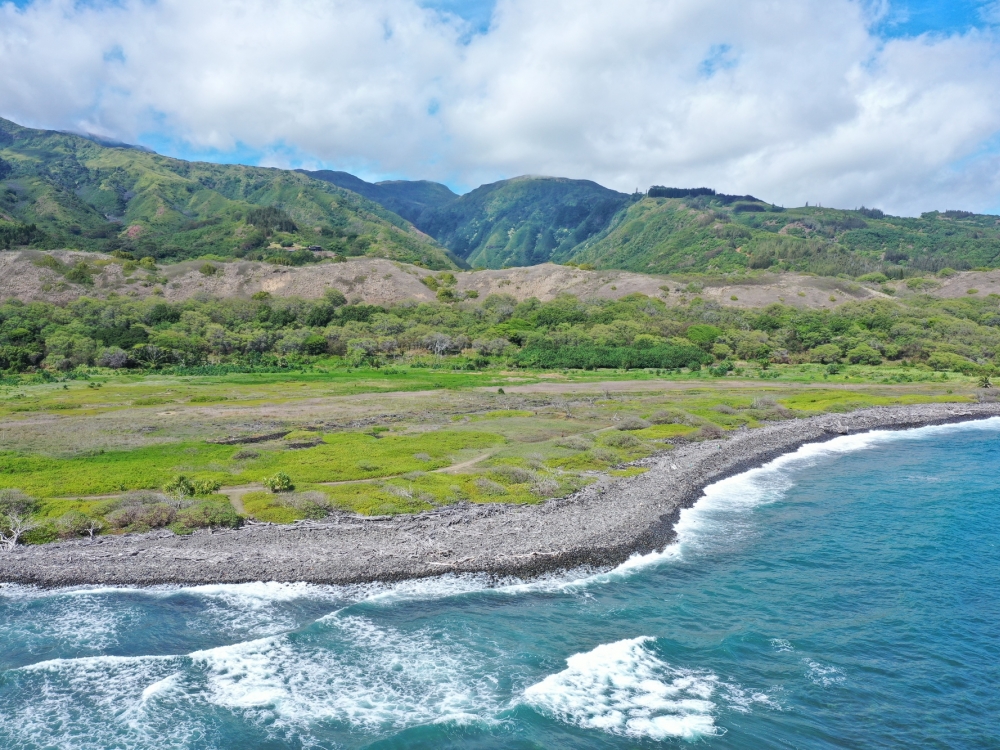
x=94, y=527
x=825, y=354
x=864, y=355
x=15, y=517
x=12, y=527
x=438, y=343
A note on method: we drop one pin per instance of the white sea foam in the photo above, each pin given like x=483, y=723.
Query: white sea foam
x=624, y=689
x=824, y=675
x=95, y=702
x=371, y=676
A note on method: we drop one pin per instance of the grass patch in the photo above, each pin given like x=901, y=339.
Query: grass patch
x=664, y=431
x=336, y=459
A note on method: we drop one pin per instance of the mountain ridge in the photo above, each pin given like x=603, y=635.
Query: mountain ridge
x=65, y=190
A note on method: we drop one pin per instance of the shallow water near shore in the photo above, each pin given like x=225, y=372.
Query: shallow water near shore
x=845, y=595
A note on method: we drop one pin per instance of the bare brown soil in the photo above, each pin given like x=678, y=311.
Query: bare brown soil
x=378, y=281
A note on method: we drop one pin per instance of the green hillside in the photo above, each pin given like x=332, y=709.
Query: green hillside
x=727, y=233
x=522, y=222
x=408, y=198
x=59, y=190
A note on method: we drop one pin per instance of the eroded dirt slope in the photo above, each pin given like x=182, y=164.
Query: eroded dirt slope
x=24, y=275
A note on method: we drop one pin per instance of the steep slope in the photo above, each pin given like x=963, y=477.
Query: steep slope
x=408, y=198
x=63, y=190
x=725, y=233
x=523, y=221
x=62, y=276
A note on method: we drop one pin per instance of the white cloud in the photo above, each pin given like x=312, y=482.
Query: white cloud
x=791, y=100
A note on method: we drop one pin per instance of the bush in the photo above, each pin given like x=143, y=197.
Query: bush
x=603, y=455
x=74, y=523
x=208, y=269
x=672, y=416
x=15, y=502
x=545, y=488
x=314, y=345
x=490, y=488
x=574, y=442
x=703, y=335
x=280, y=482
x=141, y=511
x=181, y=486
x=708, y=432
x=620, y=440
x=113, y=357
x=514, y=474
x=208, y=515
x=204, y=487
x=948, y=361
x=632, y=423
x=864, y=355
x=825, y=354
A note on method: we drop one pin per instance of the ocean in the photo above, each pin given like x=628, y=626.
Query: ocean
x=845, y=595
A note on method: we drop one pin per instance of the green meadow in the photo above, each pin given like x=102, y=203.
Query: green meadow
x=380, y=443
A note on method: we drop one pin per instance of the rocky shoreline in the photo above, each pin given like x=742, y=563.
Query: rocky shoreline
x=603, y=525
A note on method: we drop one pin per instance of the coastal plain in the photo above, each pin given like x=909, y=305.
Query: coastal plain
x=400, y=478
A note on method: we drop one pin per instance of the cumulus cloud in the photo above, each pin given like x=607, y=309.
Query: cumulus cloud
x=791, y=100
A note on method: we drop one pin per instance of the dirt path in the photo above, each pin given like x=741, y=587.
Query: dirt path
x=619, y=386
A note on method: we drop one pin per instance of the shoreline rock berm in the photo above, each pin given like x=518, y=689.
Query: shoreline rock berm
x=600, y=526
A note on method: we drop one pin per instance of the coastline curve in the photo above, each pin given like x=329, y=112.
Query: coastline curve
x=601, y=526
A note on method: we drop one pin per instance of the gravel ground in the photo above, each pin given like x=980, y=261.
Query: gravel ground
x=600, y=526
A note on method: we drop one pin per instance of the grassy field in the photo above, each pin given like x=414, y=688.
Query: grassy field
x=389, y=442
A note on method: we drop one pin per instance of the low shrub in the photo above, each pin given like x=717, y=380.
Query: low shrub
x=632, y=423
x=673, y=416
x=545, y=488
x=604, y=456
x=490, y=488
x=208, y=514
x=141, y=511
x=181, y=486
x=620, y=440
x=574, y=442
x=708, y=432
x=280, y=482
x=513, y=474
x=73, y=523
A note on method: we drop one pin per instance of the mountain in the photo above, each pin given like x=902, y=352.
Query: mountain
x=408, y=198
x=68, y=191
x=702, y=231
x=523, y=221
x=60, y=190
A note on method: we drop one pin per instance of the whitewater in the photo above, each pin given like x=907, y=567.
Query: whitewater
x=845, y=594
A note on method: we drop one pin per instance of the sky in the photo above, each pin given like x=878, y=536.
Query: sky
x=887, y=103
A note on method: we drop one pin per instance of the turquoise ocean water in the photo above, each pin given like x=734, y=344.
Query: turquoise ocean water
x=847, y=595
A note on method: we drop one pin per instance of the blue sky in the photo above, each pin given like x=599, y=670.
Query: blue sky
x=793, y=100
